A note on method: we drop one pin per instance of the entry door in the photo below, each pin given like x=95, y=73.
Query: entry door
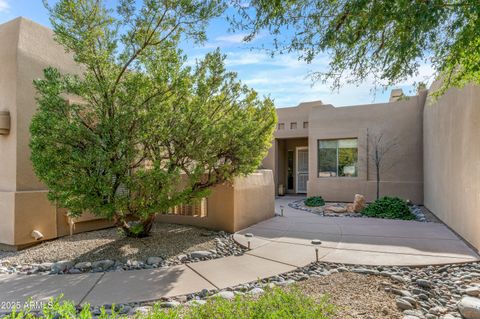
x=302, y=169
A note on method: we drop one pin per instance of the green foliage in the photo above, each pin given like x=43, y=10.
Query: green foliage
x=274, y=303
x=138, y=131
x=389, y=207
x=314, y=201
x=386, y=39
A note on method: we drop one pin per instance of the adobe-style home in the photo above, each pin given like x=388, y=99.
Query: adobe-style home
x=432, y=156
x=324, y=150
x=434, y=160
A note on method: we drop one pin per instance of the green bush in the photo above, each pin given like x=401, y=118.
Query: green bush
x=274, y=303
x=314, y=201
x=389, y=207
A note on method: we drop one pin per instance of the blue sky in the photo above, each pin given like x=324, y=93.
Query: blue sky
x=283, y=78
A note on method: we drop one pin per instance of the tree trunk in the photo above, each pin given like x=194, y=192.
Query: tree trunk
x=378, y=181
x=137, y=228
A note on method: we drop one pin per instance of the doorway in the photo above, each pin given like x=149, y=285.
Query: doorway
x=302, y=169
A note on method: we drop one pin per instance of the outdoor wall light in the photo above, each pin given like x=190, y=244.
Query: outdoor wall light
x=4, y=122
x=37, y=235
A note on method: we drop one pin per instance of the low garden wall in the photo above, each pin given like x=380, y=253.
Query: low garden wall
x=234, y=206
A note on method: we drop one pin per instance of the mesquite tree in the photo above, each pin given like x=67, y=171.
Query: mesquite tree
x=384, y=39
x=138, y=131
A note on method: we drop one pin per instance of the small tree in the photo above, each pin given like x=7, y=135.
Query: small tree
x=380, y=147
x=147, y=132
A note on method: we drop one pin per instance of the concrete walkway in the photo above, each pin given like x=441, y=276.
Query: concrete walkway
x=279, y=245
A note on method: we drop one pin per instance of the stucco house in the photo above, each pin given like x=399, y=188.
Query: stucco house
x=324, y=150
x=318, y=149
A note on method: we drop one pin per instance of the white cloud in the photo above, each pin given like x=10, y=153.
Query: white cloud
x=285, y=79
x=232, y=38
x=4, y=6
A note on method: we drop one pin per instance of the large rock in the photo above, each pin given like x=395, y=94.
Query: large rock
x=473, y=291
x=335, y=209
x=103, y=264
x=469, y=307
x=200, y=254
x=84, y=265
x=229, y=295
x=154, y=260
x=61, y=266
x=143, y=310
x=45, y=266
x=403, y=304
x=359, y=203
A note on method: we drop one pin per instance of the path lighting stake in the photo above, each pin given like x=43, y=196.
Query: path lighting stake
x=281, y=210
x=316, y=242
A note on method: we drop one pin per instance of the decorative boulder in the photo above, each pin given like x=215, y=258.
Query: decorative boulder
x=359, y=203
x=350, y=208
x=335, y=209
x=469, y=307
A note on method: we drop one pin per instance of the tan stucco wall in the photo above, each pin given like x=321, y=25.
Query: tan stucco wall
x=26, y=49
x=254, y=199
x=403, y=173
x=401, y=120
x=234, y=206
x=452, y=160
x=8, y=77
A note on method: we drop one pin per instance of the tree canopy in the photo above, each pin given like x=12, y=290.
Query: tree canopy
x=139, y=131
x=384, y=39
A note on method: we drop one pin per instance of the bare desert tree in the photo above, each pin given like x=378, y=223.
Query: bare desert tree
x=380, y=147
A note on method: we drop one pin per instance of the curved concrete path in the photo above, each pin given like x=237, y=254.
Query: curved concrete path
x=365, y=241
x=279, y=245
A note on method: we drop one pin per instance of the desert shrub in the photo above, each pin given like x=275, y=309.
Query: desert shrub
x=314, y=201
x=274, y=303
x=389, y=207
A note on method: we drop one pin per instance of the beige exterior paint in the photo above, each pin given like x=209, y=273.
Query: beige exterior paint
x=26, y=50
x=403, y=167
x=231, y=207
x=452, y=160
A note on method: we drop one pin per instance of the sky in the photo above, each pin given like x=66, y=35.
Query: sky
x=283, y=78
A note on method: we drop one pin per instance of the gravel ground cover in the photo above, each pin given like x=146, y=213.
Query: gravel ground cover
x=359, y=292
x=354, y=295
x=108, y=250
x=370, y=292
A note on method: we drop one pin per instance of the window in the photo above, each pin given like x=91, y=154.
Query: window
x=337, y=158
x=305, y=124
x=293, y=125
x=281, y=126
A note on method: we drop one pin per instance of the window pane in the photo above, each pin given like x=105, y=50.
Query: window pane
x=327, y=162
x=350, y=143
x=347, y=161
x=329, y=144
